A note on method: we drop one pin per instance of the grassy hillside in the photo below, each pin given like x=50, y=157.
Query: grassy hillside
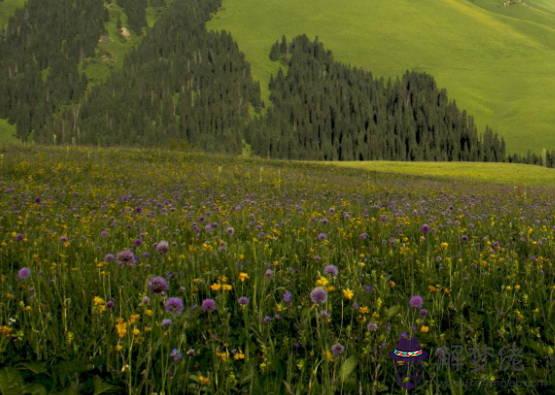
x=496, y=61
x=502, y=173
x=7, y=8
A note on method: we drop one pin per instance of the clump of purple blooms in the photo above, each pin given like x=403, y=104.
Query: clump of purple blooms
x=162, y=246
x=243, y=300
x=24, y=273
x=126, y=258
x=337, y=349
x=287, y=297
x=157, y=284
x=174, y=305
x=416, y=301
x=176, y=355
x=208, y=305
x=331, y=270
x=425, y=229
x=319, y=295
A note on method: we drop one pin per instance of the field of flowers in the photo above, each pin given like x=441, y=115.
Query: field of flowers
x=144, y=271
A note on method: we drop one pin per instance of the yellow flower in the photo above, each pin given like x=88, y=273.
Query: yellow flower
x=243, y=277
x=121, y=328
x=328, y=356
x=223, y=356
x=6, y=330
x=119, y=347
x=424, y=329
x=227, y=287
x=203, y=380
x=363, y=310
x=134, y=318
x=136, y=332
x=322, y=282
x=149, y=312
x=348, y=294
x=216, y=287
x=330, y=288
x=444, y=245
x=239, y=356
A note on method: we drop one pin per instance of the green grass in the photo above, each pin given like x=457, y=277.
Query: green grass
x=496, y=61
x=7, y=132
x=113, y=46
x=7, y=9
x=502, y=173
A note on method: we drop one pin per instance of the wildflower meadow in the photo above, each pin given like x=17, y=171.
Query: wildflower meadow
x=133, y=271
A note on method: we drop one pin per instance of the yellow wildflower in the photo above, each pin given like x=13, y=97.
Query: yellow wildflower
x=223, y=355
x=239, y=356
x=227, y=287
x=216, y=287
x=6, y=330
x=328, y=356
x=444, y=246
x=322, y=282
x=121, y=328
x=424, y=329
x=363, y=310
x=348, y=294
x=136, y=332
x=134, y=318
x=243, y=277
x=203, y=380
x=149, y=312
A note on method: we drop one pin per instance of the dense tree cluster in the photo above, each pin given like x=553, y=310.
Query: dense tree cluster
x=185, y=84
x=324, y=110
x=182, y=83
x=40, y=52
x=136, y=13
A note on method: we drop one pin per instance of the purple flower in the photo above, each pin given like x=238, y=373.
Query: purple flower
x=269, y=273
x=325, y=314
x=267, y=319
x=319, y=295
x=230, y=231
x=464, y=238
x=416, y=301
x=243, y=301
x=146, y=300
x=423, y=313
x=368, y=288
x=104, y=233
x=337, y=349
x=166, y=322
x=176, y=355
x=287, y=297
x=331, y=270
x=363, y=236
x=208, y=305
x=425, y=229
x=110, y=304
x=126, y=258
x=137, y=242
x=322, y=236
x=109, y=258
x=157, y=284
x=372, y=326
x=174, y=305
x=24, y=273
x=162, y=247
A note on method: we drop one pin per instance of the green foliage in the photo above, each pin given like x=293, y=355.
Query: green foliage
x=495, y=61
x=80, y=323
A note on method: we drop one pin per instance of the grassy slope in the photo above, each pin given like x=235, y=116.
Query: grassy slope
x=7, y=8
x=497, y=62
x=503, y=173
x=7, y=132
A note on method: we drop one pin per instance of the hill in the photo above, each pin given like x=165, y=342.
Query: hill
x=495, y=60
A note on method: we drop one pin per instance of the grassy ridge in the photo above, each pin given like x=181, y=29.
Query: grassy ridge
x=502, y=173
x=7, y=9
x=495, y=61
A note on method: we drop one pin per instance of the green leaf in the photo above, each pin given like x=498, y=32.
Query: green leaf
x=35, y=389
x=102, y=387
x=11, y=382
x=347, y=368
x=34, y=367
x=392, y=312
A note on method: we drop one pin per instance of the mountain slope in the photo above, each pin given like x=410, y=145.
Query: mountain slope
x=496, y=61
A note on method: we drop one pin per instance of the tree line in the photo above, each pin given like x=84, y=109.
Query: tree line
x=184, y=84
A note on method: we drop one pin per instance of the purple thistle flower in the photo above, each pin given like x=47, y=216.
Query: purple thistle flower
x=166, y=322
x=230, y=231
x=146, y=300
x=423, y=313
x=322, y=236
x=109, y=258
x=126, y=258
x=176, y=355
x=137, y=242
x=267, y=319
x=24, y=273
x=174, y=305
x=104, y=233
x=416, y=301
x=331, y=270
x=243, y=301
x=425, y=229
x=269, y=273
x=208, y=305
x=157, y=284
x=337, y=349
x=110, y=304
x=287, y=297
x=319, y=295
x=162, y=247
x=372, y=327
